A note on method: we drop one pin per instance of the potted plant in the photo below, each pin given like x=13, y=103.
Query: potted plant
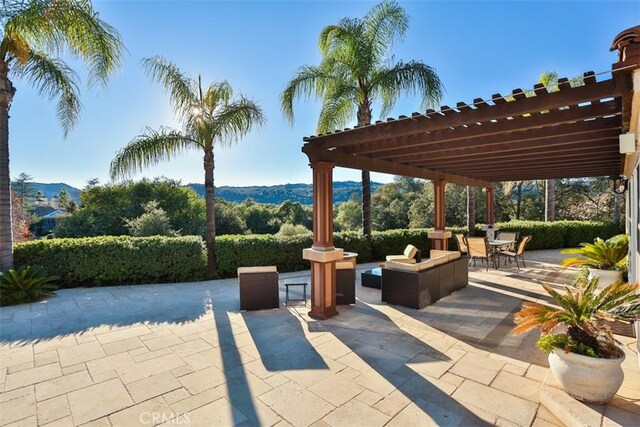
x=583, y=355
x=604, y=258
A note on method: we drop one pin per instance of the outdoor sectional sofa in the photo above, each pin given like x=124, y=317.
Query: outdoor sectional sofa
x=421, y=284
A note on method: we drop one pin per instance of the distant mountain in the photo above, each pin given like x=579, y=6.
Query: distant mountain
x=53, y=189
x=275, y=194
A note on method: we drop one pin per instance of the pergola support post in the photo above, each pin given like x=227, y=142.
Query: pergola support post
x=323, y=255
x=491, y=210
x=439, y=237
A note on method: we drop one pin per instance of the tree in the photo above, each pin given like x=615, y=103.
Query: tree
x=104, y=207
x=20, y=220
x=153, y=222
x=210, y=116
x=23, y=187
x=64, y=198
x=471, y=209
x=349, y=214
x=34, y=33
x=354, y=73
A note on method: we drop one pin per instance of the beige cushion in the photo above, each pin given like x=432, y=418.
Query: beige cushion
x=345, y=265
x=451, y=255
x=254, y=270
x=410, y=251
x=420, y=266
x=401, y=258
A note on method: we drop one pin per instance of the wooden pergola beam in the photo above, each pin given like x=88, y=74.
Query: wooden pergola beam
x=488, y=129
x=566, y=150
x=512, y=140
x=556, y=173
x=383, y=166
x=407, y=126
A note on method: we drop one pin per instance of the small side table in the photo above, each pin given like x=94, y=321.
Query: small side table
x=304, y=291
x=372, y=278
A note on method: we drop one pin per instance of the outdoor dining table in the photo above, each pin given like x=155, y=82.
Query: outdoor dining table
x=495, y=246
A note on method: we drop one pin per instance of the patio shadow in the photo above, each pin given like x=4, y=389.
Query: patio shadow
x=386, y=348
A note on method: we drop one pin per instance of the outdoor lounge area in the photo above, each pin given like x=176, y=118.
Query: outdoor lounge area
x=451, y=296
x=186, y=350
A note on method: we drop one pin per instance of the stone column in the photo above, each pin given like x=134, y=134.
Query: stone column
x=323, y=255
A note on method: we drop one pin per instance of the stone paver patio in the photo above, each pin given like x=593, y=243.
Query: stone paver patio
x=184, y=354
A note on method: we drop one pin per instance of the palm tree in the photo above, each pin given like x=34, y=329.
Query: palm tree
x=209, y=116
x=34, y=33
x=356, y=71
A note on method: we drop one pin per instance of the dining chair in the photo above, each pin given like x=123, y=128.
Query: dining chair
x=478, y=248
x=519, y=253
x=509, y=235
x=462, y=247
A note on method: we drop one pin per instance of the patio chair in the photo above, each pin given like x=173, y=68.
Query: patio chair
x=509, y=235
x=462, y=247
x=478, y=248
x=518, y=253
x=409, y=256
x=258, y=288
x=345, y=283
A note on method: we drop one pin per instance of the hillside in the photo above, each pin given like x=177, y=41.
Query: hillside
x=275, y=194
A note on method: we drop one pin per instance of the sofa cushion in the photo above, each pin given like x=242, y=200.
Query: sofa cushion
x=254, y=270
x=401, y=258
x=451, y=255
x=410, y=251
x=345, y=265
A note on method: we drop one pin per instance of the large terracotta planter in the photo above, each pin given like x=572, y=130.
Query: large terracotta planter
x=588, y=379
x=605, y=277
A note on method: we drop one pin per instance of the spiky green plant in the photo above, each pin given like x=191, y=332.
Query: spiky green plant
x=356, y=70
x=601, y=254
x=33, y=33
x=210, y=117
x=580, y=310
x=25, y=284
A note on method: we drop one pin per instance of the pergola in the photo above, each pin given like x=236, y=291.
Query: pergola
x=573, y=132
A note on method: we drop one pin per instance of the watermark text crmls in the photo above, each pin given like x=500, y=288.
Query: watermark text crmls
x=153, y=418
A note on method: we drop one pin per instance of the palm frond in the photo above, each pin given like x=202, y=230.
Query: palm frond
x=414, y=77
x=309, y=81
x=338, y=108
x=385, y=23
x=183, y=91
x=235, y=119
x=73, y=26
x=149, y=149
x=53, y=78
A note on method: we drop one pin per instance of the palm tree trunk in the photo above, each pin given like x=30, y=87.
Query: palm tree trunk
x=471, y=210
x=6, y=238
x=519, y=200
x=364, y=119
x=617, y=201
x=210, y=203
x=550, y=200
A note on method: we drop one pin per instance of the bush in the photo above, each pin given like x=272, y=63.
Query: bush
x=288, y=229
x=153, y=222
x=560, y=234
x=116, y=260
x=25, y=284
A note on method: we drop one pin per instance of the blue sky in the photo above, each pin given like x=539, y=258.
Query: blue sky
x=478, y=48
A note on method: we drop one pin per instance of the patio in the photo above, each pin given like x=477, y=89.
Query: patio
x=184, y=354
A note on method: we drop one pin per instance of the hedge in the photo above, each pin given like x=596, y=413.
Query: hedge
x=116, y=260
x=130, y=260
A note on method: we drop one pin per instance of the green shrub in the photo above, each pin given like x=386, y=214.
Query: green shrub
x=560, y=234
x=25, y=284
x=288, y=229
x=116, y=260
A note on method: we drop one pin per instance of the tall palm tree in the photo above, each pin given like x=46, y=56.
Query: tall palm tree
x=33, y=34
x=209, y=116
x=356, y=71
